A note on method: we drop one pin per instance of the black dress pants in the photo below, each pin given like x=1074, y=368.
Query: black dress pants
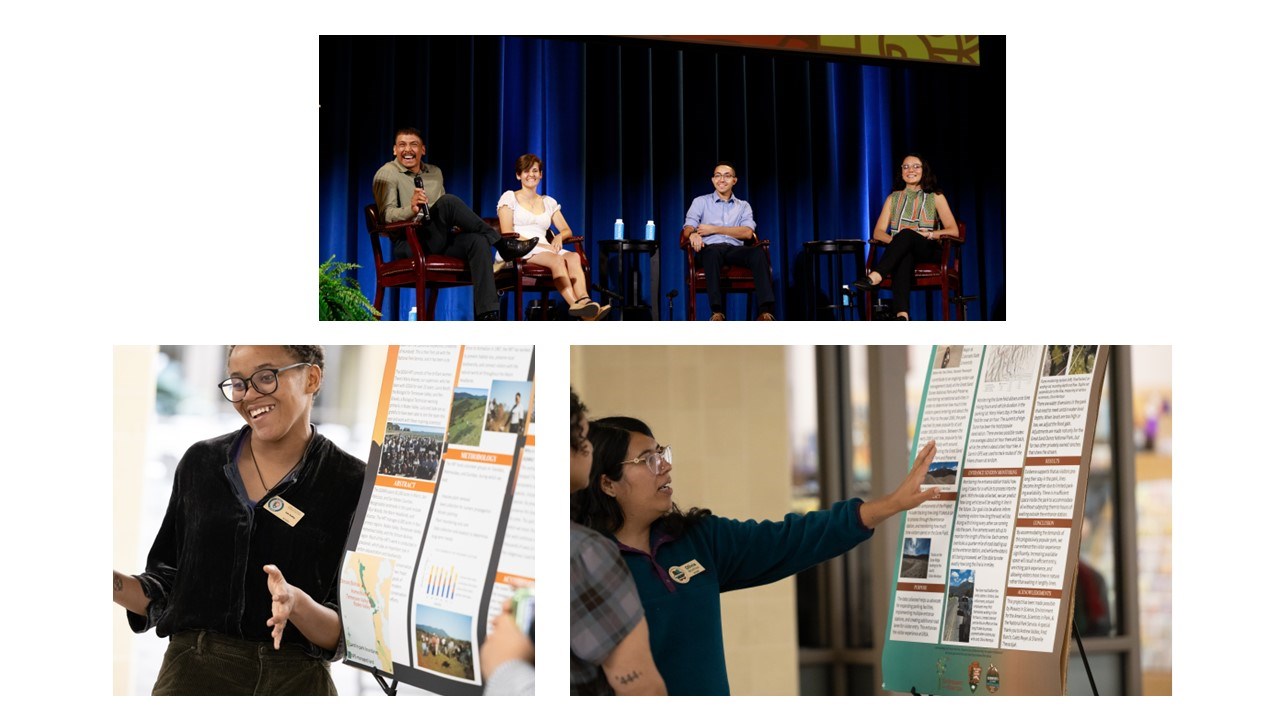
x=716, y=256
x=473, y=245
x=899, y=263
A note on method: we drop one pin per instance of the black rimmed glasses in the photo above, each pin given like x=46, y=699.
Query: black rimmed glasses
x=653, y=459
x=264, y=381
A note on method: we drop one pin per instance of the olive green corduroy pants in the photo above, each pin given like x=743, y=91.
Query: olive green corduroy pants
x=199, y=662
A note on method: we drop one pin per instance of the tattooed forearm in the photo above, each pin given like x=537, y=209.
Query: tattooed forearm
x=127, y=592
x=629, y=678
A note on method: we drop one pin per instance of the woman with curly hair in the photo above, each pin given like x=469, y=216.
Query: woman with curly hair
x=914, y=218
x=271, y=500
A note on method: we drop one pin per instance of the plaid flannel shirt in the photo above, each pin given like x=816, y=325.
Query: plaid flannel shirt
x=604, y=607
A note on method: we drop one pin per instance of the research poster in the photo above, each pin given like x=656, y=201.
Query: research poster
x=444, y=531
x=986, y=575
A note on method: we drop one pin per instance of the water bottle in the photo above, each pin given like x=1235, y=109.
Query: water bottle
x=617, y=229
x=845, y=294
x=413, y=313
x=649, y=230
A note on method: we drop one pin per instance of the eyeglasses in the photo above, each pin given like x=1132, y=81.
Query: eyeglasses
x=911, y=167
x=721, y=176
x=654, y=459
x=264, y=381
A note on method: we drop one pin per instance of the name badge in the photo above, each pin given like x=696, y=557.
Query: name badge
x=282, y=509
x=683, y=573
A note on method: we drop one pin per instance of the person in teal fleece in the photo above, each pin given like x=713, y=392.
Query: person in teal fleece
x=683, y=560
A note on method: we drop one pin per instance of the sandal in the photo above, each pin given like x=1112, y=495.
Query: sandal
x=585, y=308
x=604, y=310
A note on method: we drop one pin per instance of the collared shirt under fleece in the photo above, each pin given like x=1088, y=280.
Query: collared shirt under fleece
x=684, y=619
x=393, y=189
x=712, y=210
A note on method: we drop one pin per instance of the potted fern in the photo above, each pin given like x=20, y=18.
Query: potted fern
x=340, y=296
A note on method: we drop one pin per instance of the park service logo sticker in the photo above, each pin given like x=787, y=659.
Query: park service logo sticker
x=993, y=680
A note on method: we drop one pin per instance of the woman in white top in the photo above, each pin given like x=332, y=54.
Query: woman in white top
x=531, y=215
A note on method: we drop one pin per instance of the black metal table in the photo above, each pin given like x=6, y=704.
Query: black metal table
x=628, y=251
x=832, y=253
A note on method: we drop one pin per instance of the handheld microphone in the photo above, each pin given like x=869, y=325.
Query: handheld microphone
x=424, y=213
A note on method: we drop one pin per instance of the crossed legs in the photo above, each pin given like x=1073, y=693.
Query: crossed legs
x=907, y=248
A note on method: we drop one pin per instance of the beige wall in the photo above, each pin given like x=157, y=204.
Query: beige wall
x=134, y=399
x=724, y=412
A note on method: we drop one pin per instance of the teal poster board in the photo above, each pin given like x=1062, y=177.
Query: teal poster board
x=984, y=583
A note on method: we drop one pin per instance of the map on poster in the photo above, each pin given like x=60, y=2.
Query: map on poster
x=444, y=530
x=986, y=575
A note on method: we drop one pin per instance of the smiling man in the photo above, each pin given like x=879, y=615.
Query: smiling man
x=407, y=188
x=721, y=224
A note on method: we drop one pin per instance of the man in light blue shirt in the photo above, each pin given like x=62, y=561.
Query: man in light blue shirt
x=721, y=224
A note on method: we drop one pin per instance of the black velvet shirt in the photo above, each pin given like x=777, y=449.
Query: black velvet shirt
x=204, y=571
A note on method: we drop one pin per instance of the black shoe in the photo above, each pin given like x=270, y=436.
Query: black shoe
x=864, y=284
x=901, y=317
x=491, y=315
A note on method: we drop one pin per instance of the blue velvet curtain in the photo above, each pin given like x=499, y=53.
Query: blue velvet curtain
x=634, y=129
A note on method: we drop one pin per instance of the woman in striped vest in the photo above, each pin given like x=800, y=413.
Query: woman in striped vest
x=914, y=218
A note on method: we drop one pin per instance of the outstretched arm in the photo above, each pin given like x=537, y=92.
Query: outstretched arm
x=316, y=622
x=750, y=553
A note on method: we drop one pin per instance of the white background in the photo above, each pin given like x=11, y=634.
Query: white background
x=148, y=157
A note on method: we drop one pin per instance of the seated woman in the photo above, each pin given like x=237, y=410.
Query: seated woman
x=530, y=215
x=915, y=216
x=682, y=561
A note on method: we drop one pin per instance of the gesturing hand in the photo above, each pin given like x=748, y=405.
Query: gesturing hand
x=282, y=602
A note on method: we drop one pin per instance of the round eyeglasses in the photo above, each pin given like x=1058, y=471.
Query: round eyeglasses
x=653, y=458
x=264, y=381
x=912, y=167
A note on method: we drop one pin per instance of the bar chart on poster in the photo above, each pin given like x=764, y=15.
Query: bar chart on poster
x=443, y=533
x=985, y=580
